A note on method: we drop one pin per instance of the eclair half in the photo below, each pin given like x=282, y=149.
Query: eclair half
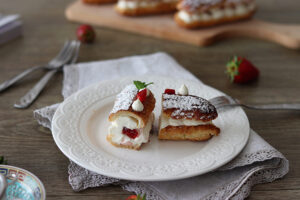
x=131, y=118
x=205, y=13
x=186, y=117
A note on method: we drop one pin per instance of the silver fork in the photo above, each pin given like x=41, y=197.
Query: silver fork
x=32, y=94
x=49, y=65
x=227, y=101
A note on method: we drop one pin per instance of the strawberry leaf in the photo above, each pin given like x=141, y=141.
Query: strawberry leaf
x=141, y=85
x=233, y=67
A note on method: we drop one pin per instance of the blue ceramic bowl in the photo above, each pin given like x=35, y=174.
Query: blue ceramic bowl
x=27, y=187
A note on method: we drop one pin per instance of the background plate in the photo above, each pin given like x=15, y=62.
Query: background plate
x=26, y=187
x=80, y=126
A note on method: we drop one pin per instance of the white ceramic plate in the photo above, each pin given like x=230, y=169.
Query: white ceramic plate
x=80, y=126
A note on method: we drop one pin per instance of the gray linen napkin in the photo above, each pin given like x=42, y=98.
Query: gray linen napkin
x=257, y=163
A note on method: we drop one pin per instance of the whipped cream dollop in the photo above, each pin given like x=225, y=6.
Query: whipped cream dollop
x=137, y=105
x=183, y=90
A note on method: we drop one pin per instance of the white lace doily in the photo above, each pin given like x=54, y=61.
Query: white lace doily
x=257, y=163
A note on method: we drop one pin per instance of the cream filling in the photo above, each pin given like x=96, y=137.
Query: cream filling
x=123, y=4
x=216, y=13
x=116, y=127
x=164, y=122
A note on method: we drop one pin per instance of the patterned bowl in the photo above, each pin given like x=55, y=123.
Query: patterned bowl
x=27, y=186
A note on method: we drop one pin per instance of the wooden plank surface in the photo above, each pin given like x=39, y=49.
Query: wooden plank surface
x=28, y=145
x=164, y=26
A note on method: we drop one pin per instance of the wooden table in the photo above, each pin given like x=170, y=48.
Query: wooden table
x=28, y=145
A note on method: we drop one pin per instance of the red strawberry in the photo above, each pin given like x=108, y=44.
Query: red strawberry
x=169, y=91
x=134, y=197
x=141, y=95
x=132, y=133
x=240, y=70
x=85, y=33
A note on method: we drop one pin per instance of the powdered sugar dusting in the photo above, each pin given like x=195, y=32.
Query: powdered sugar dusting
x=195, y=4
x=125, y=98
x=182, y=104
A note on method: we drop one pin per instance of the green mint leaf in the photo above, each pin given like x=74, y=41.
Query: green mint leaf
x=149, y=83
x=140, y=85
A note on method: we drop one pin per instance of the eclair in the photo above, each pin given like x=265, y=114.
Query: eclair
x=205, y=13
x=131, y=118
x=186, y=117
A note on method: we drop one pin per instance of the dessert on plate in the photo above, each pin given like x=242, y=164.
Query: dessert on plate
x=131, y=117
x=145, y=7
x=98, y=1
x=204, y=13
x=186, y=117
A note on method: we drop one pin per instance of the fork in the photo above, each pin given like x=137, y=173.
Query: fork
x=49, y=66
x=32, y=94
x=227, y=101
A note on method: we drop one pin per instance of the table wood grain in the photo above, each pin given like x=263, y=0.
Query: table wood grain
x=28, y=145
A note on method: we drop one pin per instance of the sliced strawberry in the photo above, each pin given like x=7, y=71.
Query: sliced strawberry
x=240, y=70
x=141, y=95
x=132, y=133
x=169, y=91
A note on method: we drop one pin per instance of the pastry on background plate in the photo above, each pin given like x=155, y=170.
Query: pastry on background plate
x=99, y=1
x=205, y=13
x=186, y=117
x=145, y=7
x=131, y=117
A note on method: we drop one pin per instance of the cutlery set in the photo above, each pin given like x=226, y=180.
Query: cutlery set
x=67, y=55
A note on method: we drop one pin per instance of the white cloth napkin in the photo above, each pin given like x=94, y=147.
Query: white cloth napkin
x=257, y=163
x=10, y=27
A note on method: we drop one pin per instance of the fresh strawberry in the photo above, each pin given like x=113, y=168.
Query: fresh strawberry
x=132, y=133
x=141, y=95
x=240, y=70
x=169, y=91
x=134, y=197
x=85, y=33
